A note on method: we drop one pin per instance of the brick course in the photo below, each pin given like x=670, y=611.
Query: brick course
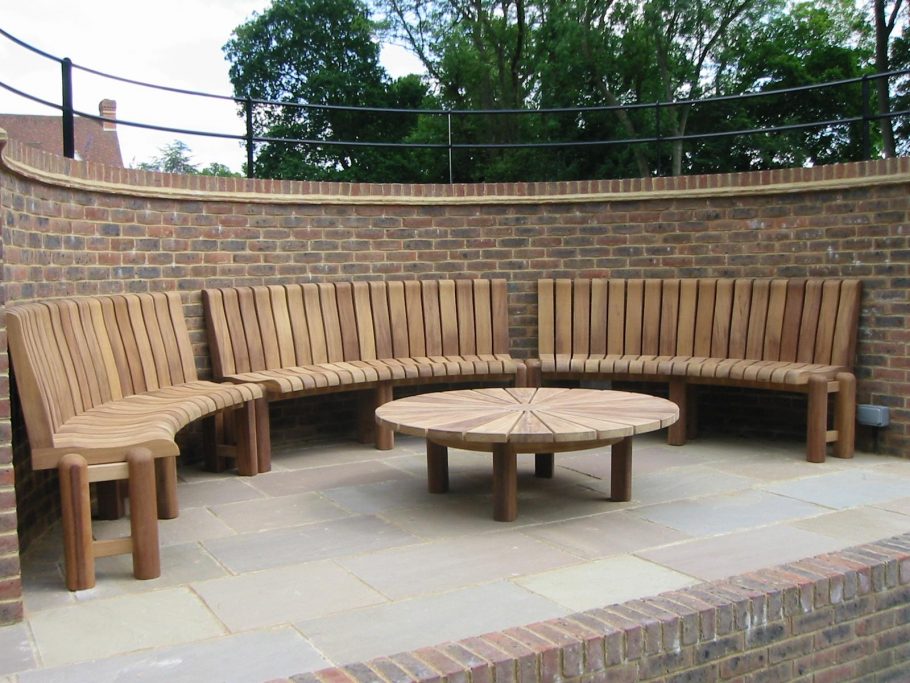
x=73, y=228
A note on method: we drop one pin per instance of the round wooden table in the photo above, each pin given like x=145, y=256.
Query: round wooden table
x=527, y=420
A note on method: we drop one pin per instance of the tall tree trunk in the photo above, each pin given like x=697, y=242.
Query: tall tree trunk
x=883, y=29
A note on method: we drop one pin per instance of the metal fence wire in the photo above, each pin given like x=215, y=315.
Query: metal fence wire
x=450, y=143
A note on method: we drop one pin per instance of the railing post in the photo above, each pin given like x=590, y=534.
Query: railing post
x=248, y=110
x=657, y=126
x=866, y=143
x=451, y=175
x=69, y=123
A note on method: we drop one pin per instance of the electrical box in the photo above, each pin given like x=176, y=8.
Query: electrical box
x=872, y=416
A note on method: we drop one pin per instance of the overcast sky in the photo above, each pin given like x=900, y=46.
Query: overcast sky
x=168, y=42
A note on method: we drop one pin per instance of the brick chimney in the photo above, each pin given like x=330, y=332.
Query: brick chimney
x=108, y=109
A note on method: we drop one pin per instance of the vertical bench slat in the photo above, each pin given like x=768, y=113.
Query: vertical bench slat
x=76, y=372
x=417, y=343
x=448, y=317
x=562, y=315
x=61, y=372
x=483, y=317
x=347, y=321
x=135, y=321
x=824, y=336
x=27, y=328
x=809, y=322
x=222, y=354
x=380, y=297
x=432, y=327
x=723, y=307
x=161, y=362
x=314, y=325
x=669, y=318
x=235, y=328
x=793, y=312
x=281, y=318
x=127, y=339
x=774, y=325
x=366, y=327
x=581, y=317
x=168, y=338
x=252, y=334
x=119, y=359
x=546, y=328
x=599, y=303
x=182, y=334
x=400, y=320
x=100, y=349
x=84, y=347
x=635, y=302
x=844, y=342
x=650, y=327
x=467, y=329
x=616, y=322
x=268, y=330
x=758, y=315
x=331, y=323
x=92, y=340
x=704, y=318
x=739, y=321
x=688, y=307
x=300, y=324
x=499, y=305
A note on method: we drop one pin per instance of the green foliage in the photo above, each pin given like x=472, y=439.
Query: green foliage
x=176, y=158
x=505, y=55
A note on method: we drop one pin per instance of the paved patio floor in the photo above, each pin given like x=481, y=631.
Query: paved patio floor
x=340, y=554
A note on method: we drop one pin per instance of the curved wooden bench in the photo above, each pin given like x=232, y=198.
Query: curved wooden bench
x=780, y=334
x=301, y=339
x=105, y=384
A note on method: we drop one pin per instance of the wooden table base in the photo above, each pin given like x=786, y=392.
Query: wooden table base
x=505, y=474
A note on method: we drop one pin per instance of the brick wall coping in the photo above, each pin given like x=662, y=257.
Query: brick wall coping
x=49, y=169
x=843, y=615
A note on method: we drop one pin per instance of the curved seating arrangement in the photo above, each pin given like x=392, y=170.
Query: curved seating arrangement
x=779, y=334
x=301, y=339
x=105, y=384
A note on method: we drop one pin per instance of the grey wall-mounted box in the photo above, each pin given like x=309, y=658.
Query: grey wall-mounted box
x=872, y=416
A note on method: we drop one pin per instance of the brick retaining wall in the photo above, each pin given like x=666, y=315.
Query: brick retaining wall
x=77, y=228
x=834, y=618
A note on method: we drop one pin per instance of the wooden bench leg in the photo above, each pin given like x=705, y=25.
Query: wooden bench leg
x=216, y=435
x=263, y=435
x=817, y=419
x=385, y=436
x=691, y=411
x=505, y=483
x=76, y=520
x=543, y=465
x=676, y=432
x=533, y=374
x=166, y=487
x=437, y=468
x=621, y=470
x=246, y=460
x=143, y=514
x=845, y=415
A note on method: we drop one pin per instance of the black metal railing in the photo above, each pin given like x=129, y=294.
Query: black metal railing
x=249, y=106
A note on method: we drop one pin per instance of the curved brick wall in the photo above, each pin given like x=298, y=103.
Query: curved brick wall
x=76, y=228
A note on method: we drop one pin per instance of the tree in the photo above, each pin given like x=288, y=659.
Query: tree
x=885, y=19
x=312, y=58
x=176, y=158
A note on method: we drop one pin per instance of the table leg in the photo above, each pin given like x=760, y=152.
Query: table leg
x=505, y=482
x=621, y=470
x=543, y=465
x=437, y=468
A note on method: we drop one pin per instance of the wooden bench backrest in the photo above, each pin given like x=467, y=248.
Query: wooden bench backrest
x=799, y=320
x=70, y=355
x=270, y=327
